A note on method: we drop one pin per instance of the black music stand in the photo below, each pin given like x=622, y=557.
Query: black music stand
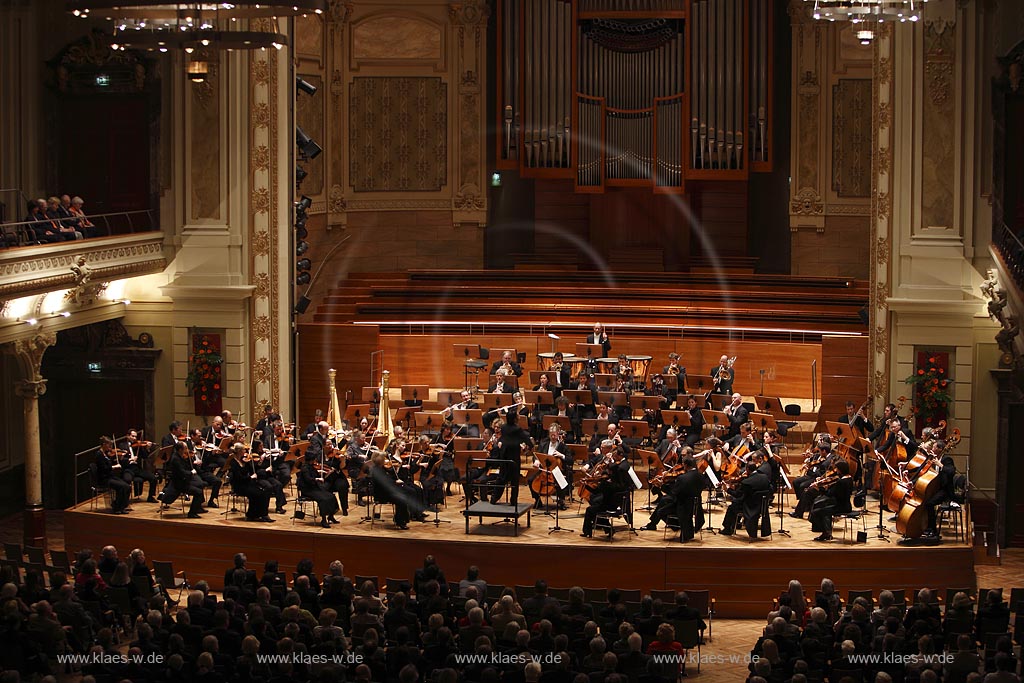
x=428, y=422
x=649, y=457
x=405, y=414
x=882, y=536
x=636, y=429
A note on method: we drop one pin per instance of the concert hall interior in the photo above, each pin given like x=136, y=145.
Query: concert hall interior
x=301, y=270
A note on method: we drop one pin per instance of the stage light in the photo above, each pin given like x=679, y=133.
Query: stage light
x=308, y=148
x=301, y=232
x=303, y=264
x=305, y=86
x=303, y=278
x=301, y=248
x=303, y=204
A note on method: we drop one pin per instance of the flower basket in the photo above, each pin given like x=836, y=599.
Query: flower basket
x=931, y=390
x=204, y=377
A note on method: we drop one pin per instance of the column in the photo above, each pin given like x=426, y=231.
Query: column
x=30, y=356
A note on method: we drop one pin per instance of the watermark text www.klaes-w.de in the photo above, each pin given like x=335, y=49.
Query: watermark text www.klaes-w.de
x=109, y=658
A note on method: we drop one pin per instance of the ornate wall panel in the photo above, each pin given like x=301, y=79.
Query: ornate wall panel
x=851, y=137
x=398, y=134
x=309, y=115
x=938, y=126
x=205, y=150
x=396, y=38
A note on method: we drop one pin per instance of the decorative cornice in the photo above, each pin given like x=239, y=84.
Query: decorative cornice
x=398, y=204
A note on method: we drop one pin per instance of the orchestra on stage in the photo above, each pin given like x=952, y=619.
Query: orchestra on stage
x=578, y=436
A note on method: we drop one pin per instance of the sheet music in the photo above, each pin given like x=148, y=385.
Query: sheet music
x=785, y=478
x=711, y=475
x=560, y=478
x=636, y=479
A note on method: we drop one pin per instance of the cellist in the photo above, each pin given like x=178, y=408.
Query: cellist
x=553, y=446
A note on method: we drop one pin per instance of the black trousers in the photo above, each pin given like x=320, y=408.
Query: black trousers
x=194, y=490
x=338, y=483
x=138, y=477
x=324, y=499
x=122, y=490
x=691, y=517
x=821, y=514
x=209, y=479
x=258, y=493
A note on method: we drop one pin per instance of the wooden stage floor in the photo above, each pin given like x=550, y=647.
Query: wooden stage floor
x=742, y=574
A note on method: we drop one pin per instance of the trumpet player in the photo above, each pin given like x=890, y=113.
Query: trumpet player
x=507, y=365
x=561, y=375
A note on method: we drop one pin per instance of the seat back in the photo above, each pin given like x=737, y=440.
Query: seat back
x=667, y=597
x=35, y=555
x=59, y=560
x=121, y=599
x=951, y=593
x=629, y=594
x=360, y=580
x=853, y=595
x=700, y=600
x=164, y=572
x=494, y=591
x=688, y=632
x=12, y=551
x=595, y=594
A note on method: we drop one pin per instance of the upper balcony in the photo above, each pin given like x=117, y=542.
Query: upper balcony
x=133, y=246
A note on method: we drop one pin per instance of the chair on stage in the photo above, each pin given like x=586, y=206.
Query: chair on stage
x=620, y=510
x=98, y=489
x=299, y=508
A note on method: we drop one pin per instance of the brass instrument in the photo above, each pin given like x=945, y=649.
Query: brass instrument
x=724, y=372
x=673, y=370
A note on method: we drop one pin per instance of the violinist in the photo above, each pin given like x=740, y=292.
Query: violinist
x=266, y=473
x=310, y=429
x=772, y=459
x=245, y=481
x=670, y=448
x=445, y=450
x=110, y=473
x=335, y=479
x=207, y=461
x=135, y=470
x=216, y=431
x=230, y=424
x=553, y=446
x=818, y=460
x=716, y=455
x=747, y=496
x=277, y=450
x=174, y=436
x=310, y=483
x=832, y=498
x=389, y=486
x=184, y=480
x=268, y=418
x=358, y=452
x=611, y=490
x=612, y=434
x=681, y=497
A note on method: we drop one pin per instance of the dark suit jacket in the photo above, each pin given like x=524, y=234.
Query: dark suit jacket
x=517, y=369
x=181, y=473
x=606, y=345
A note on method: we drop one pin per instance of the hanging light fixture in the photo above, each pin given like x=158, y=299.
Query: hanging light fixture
x=162, y=25
x=865, y=15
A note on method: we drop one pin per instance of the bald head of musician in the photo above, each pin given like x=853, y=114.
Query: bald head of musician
x=599, y=332
x=322, y=427
x=218, y=423
x=737, y=398
x=723, y=361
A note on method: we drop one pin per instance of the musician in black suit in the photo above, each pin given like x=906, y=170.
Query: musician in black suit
x=946, y=492
x=325, y=453
x=500, y=386
x=585, y=382
x=554, y=446
x=833, y=499
x=674, y=368
x=110, y=473
x=687, y=491
x=693, y=432
x=744, y=438
x=600, y=336
x=855, y=418
x=722, y=376
x=245, y=481
x=561, y=375
x=389, y=487
x=183, y=480
x=817, y=462
x=737, y=414
x=135, y=470
x=174, y=435
x=266, y=473
x=746, y=498
x=310, y=483
x=563, y=409
x=611, y=492
x=208, y=461
x=508, y=364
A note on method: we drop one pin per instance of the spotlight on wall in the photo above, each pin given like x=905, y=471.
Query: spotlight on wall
x=303, y=204
x=305, y=86
x=300, y=175
x=197, y=71
x=301, y=248
x=308, y=148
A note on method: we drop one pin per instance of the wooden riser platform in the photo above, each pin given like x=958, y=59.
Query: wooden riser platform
x=743, y=575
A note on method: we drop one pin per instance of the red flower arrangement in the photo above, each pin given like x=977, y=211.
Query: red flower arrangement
x=204, y=375
x=931, y=391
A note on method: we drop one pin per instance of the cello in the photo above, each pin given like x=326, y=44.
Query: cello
x=913, y=516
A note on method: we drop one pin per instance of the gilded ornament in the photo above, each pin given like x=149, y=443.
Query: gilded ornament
x=261, y=158
x=261, y=371
x=261, y=242
x=261, y=200
x=261, y=327
x=262, y=283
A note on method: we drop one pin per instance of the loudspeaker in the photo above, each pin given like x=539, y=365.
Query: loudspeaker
x=302, y=305
x=862, y=537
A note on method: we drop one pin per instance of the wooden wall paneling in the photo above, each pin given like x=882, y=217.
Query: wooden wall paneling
x=844, y=374
x=346, y=348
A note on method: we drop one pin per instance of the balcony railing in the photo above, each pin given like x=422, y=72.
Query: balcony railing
x=107, y=224
x=1011, y=249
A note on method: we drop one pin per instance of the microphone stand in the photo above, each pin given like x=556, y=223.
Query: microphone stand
x=882, y=536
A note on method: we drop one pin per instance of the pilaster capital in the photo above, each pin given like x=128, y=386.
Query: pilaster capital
x=29, y=352
x=30, y=389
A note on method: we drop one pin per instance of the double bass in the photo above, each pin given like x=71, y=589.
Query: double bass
x=912, y=516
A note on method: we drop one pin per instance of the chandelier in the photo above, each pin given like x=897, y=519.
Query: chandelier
x=865, y=15
x=162, y=25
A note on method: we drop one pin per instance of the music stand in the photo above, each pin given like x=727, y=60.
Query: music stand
x=613, y=399
x=558, y=504
x=716, y=419
x=495, y=401
x=671, y=382
x=415, y=392
x=563, y=421
x=649, y=457
x=719, y=401
x=840, y=431
x=581, y=397
x=405, y=414
x=447, y=399
x=592, y=425
x=634, y=429
x=675, y=419
x=764, y=421
x=882, y=462
x=589, y=350
x=357, y=411
x=544, y=398
x=428, y=422
x=469, y=416
x=642, y=403
x=603, y=380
